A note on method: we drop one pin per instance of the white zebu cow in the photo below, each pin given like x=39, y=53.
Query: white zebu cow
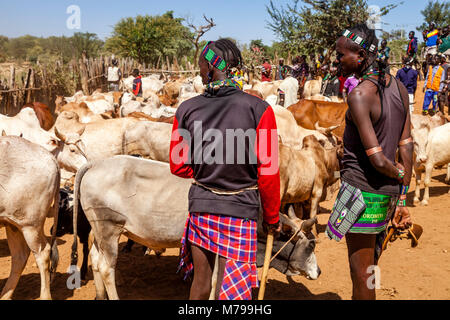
x=26, y=125
x=290, y=88
x=135, y=197
x=29, y=193
x=149, y=85
x=312, y=87
x=434, y=152
x=91, y=141
x=150, y=140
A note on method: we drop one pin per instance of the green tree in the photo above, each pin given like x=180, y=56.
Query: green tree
x=150, y=38
x=86, y=42
x=19, y=48
x=436, y=12
x=316, y=25
x=3, y=48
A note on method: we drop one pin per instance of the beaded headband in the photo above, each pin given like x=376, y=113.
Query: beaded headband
x=359, y=41
x=213, y=58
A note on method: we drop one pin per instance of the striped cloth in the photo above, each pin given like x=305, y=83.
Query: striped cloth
x=232, y=238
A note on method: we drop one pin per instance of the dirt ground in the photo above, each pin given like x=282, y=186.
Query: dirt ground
x=406, y=273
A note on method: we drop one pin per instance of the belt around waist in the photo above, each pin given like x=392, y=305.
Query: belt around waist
x=225, y=192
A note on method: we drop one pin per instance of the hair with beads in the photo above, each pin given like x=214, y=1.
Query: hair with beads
x=371, y=39
x=228, y=50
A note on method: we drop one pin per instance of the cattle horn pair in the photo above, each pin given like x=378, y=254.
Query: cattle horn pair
x=325, y=131
x=305, y=225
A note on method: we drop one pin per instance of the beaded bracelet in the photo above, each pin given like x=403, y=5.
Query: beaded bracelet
x=401, y=174
x=402, y=200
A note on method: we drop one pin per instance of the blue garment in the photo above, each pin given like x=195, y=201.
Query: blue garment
x=430, y=96
x=408, y=76
x=432, y=38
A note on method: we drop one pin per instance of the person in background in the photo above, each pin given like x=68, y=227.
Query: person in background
x=444, y=41
x=443, y=94
x=412, y=45
x=137, y=83
x=342, y=80
x=331, y=83
x=114, y=76
x=431, y=36
x=350, y=84
x=434, y=83
x=411, y=51
x=282, y=70
x=446, y=91
x=383, y=55
x=408, y=76
x=266, y=75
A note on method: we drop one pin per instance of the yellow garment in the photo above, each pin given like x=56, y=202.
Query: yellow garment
x=434, y=83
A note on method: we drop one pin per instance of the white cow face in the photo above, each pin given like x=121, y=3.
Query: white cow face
x=72, y=157
x=303, y=260
x=420, y=137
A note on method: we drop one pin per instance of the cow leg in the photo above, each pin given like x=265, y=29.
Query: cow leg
x=108, y=242
x=84, y=265
x=40, y=247
x=447, y=178
x=428, y=172
x=19, y=257
x=418, y=182
x=100, y=293
x=316, y=196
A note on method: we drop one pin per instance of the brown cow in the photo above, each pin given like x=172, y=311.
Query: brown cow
x=145, y=117
x=43, y=113
x=308, y=113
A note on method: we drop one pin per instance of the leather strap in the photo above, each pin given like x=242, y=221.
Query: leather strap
x=373, y=151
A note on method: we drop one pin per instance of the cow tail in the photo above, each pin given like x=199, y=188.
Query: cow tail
x=76, y=197
x=54, y=255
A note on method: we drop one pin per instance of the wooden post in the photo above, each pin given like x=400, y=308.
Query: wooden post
x=84, y=75
x=12, y=86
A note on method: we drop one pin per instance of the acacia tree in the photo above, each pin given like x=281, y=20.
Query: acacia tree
x=436, y=12
x=149, y=38
x=199, y=32
x=316, y=25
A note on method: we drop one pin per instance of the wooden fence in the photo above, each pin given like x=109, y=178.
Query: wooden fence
x=39, y=84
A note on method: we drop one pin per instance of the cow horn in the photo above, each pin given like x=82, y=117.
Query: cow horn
x=325, y=131
x=308, y=224
x=59, y=135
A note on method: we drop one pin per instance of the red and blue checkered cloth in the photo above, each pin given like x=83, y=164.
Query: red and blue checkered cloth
x=232, y=238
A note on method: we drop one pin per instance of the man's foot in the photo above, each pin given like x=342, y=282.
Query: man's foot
x=425, y=112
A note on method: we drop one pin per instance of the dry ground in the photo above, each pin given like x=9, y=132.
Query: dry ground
x=406, y=273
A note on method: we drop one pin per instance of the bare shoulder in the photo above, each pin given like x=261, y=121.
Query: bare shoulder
x=362, y=95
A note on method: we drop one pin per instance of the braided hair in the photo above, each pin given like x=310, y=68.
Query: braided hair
x=372, y=62
x=228, y=50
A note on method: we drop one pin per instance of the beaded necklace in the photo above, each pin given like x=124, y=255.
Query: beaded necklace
x=216, y=85
x=371, y=72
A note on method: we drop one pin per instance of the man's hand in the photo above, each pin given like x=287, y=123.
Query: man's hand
x=274, y=228
x=402, y=218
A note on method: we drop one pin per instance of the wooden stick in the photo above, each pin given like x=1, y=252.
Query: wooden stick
x=269, y=247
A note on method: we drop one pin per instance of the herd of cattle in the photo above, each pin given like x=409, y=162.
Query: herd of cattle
x=100, y=169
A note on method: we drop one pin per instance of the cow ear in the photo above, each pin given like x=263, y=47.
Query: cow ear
x=3, y=133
